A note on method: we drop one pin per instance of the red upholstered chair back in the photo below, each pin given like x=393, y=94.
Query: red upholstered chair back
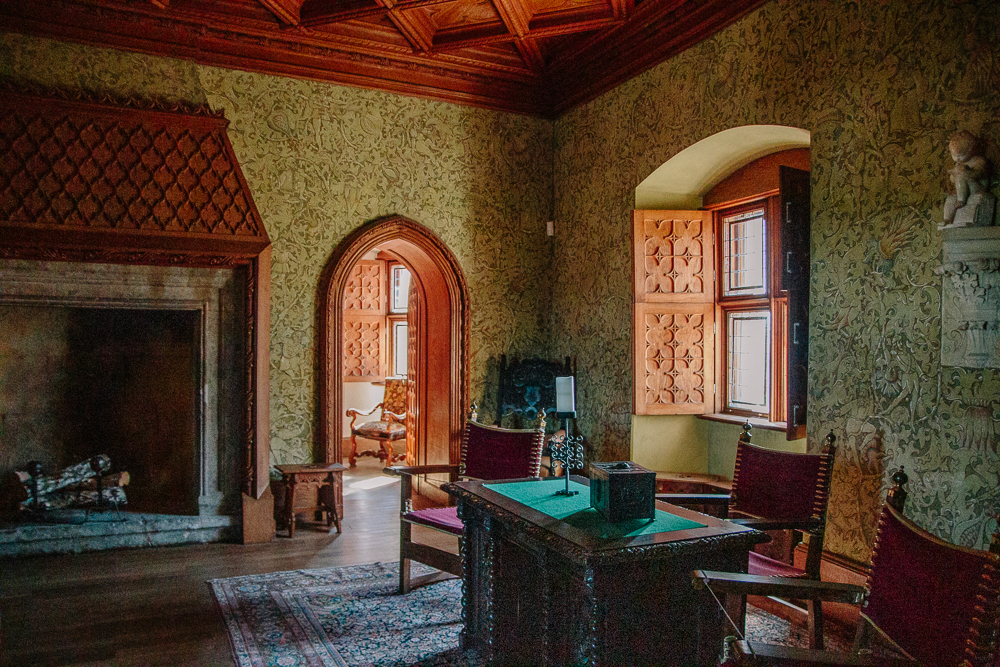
x=924, y=594
x=781, y=485
x=490, y=452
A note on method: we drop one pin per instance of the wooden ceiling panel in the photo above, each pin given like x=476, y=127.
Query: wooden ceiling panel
x=538, y=57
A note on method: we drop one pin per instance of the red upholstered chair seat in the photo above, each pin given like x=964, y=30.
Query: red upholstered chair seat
x=441, y=518
x=769, y=567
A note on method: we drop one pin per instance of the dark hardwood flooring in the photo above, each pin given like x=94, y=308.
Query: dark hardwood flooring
x=153, y=607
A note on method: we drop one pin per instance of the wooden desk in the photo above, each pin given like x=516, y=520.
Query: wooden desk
x=538, y=590
x=318, y=476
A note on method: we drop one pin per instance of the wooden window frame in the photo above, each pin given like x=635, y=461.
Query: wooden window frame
x=774, y=300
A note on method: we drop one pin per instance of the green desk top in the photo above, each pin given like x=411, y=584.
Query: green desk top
x=577, y=512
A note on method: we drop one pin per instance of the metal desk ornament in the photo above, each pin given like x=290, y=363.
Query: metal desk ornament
x=566, y=449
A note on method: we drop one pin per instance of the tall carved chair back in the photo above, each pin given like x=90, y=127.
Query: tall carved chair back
x=527, y=387
x=387, y=429
x=488, y=453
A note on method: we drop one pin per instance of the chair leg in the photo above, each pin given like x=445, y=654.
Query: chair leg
x=404, y=562
x=815, y=608
x=353, y=456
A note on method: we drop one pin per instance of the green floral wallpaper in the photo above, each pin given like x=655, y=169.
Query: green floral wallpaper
x=881, y=86
x=322, y=160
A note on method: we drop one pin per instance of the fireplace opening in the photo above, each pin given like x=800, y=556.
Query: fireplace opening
x=120, y=382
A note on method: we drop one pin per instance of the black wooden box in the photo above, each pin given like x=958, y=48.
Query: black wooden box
x=622, y=490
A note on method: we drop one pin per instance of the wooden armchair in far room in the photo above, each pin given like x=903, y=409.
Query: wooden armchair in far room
x=925, y=602
x=387, y=429
x=784, y=493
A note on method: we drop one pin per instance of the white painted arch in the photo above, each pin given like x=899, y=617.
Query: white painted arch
x=682, y=181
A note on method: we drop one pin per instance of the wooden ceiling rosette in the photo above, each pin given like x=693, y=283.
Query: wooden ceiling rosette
x=137, y=182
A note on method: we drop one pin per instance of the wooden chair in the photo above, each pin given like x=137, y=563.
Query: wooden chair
x=488, y=452
x=389, y=427
x=774, y=491
x=925, y=602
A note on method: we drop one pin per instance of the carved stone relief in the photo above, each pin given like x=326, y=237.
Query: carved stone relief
x=970, y=297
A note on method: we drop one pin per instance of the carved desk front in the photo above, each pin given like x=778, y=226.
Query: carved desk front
x=539, y=589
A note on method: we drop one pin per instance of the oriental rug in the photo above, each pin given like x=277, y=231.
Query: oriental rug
x=353, y=616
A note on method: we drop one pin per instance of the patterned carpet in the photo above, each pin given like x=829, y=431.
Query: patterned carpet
x=352, y=616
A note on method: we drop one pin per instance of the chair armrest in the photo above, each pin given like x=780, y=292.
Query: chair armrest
x=694, y=498
x=393, y=416
x=400, y=471
x=758, y=523
x=737, y=583
x=354, y=414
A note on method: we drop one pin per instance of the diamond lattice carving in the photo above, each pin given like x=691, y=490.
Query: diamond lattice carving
x=675, y=358
x=364, y=288
x=151, y=173
x=674, y=256
x=362, y=348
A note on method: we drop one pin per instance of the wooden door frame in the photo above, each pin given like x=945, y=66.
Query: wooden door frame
x=443, y=391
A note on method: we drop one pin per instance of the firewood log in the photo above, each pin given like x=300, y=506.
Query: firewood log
x=73, y=475
x=72, y=499
x=107, y=481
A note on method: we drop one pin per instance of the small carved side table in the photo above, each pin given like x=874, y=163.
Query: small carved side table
x=318, y=476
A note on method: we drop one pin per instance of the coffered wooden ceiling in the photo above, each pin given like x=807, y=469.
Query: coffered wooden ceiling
x=539, y=57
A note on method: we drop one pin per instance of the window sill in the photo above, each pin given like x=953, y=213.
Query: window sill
x=737, y=420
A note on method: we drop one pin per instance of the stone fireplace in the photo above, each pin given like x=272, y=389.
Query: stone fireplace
x=140, y=363
x=134, y=296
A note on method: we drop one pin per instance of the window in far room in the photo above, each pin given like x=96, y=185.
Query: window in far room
x=399, y=290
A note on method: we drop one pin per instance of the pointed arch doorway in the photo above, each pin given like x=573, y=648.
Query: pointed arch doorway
x=438, y=363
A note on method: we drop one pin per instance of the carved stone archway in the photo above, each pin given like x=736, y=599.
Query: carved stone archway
x=443, y=386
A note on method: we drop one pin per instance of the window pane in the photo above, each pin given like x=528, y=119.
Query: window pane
x=743, y=253
x=400, y=289
x=749, y=360
x=399, y=348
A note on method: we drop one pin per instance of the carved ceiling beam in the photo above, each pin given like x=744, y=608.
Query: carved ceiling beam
x=532, y=55
x=287, y=11
x=450, y=40
x=514, y=14
x=416, y=27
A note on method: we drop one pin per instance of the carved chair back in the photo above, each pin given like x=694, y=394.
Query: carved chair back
x=527, y=387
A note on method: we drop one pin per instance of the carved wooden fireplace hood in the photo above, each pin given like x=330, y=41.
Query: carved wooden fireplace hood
x=140, y=183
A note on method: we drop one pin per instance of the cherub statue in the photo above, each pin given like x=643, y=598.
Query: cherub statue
x=970, y=178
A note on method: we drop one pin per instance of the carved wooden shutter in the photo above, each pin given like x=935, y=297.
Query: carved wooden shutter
x=794, y=184
x=365, y=306
x=674, y=312
x=413, y=357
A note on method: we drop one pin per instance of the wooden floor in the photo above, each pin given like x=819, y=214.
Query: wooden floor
x=153, y=607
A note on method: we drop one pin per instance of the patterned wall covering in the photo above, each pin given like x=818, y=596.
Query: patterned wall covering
x=881, y=86
x=320, y=161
